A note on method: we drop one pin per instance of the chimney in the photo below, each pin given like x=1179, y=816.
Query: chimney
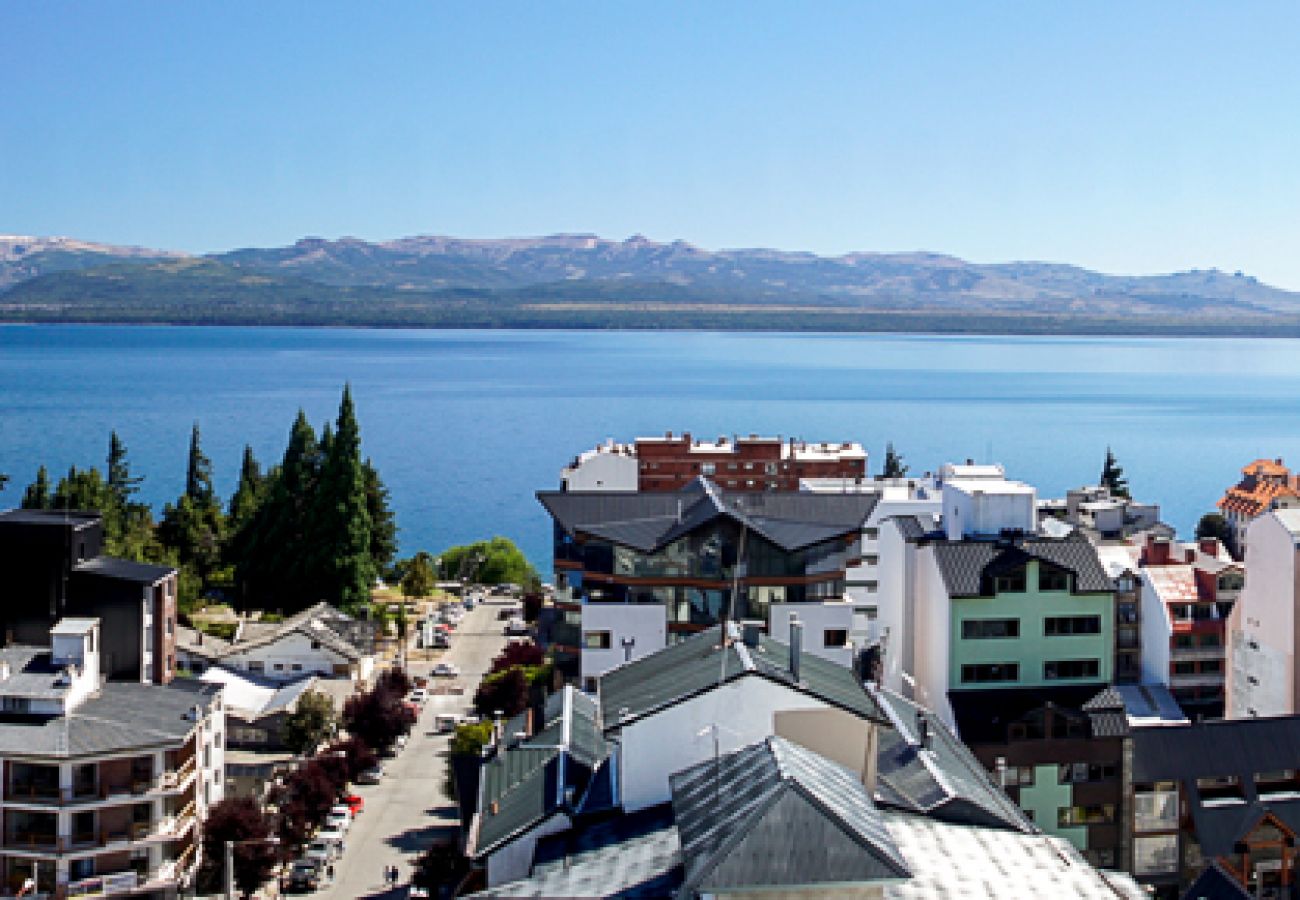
x=751, y=633
x=796, y=644
x=1209, y=546
x=923, y=730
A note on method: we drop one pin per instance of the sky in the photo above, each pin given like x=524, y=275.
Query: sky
x=1129, y=138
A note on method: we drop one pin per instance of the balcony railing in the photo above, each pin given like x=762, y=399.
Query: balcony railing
x=99, y=885
x=172, y=780
x=46, y=841
x=1195, y=654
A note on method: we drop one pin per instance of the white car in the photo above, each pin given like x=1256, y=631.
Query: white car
x=339, y=822
x=333, y=836
x=446, y=670
x=342, y=809
x=418, y=695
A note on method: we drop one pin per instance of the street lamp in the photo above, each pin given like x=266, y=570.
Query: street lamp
x=230, y=860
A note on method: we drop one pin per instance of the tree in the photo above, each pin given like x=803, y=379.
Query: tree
x=198, y=473
x=237, y=819
x=37, y=495
x=1214, y=525
x=356, y=754
x=378, y=716
x=497, y=561
x=248, y=494
x=894, y=467
x=311, y=722
x=440, y=867
x=518, y=653
x=505, y=692
x=418, y=581
x=1112, y=476
x=121, y=482
x=383, y=524
x=342, y=518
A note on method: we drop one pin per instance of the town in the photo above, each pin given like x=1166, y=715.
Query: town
x=756, y=667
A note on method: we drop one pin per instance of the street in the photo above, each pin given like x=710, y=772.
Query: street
x=404, y=812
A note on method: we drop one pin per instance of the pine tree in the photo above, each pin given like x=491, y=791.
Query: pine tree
x=1112, y=476
x=121, y=514
x=250, y=492
x=120, y=480
x=198, y=475
x=894, y=467
x=342, y=519
x=383, y=524
x=37, y=495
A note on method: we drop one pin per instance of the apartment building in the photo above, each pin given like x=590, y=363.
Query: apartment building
x=752, y=463
x=54, y=567
x=1265, y=484
x=1263, y=679
x=638, y=570
x=104, y=784
x=1102, y=515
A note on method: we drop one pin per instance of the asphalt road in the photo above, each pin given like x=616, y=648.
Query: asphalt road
x=408, y=809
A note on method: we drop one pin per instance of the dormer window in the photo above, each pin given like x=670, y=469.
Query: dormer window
x=1013, y=582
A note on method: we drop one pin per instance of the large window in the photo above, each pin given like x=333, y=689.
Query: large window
x=977, y=629
x=1155, y=855
x=1052, y=579
x=1081, y=773
x=1057, y=626
x=1070, y=668
x=979, y=673
x=1095, y=814
x=1155, y=806
x=1013, y=582
x=835, y=637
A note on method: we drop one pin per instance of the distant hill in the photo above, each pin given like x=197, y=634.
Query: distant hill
x=586, y=281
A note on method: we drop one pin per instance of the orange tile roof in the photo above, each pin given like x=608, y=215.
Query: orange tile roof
x=1254, y=495
x=1266, y=467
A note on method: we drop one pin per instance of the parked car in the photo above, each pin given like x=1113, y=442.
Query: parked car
x=516, y=627
x=324, y=851
x=469, y=603
x=445, y=722
x=420, y=681
x=334, y=836
x=446, y=670
x=418, y=695
x=338, y=821
x=355, y=804
x=440, y=641
x=373, y=775
x=307, y=875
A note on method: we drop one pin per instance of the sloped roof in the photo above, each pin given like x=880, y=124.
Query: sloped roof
x=943, y=780
x=647, y=521
x=312, y=623
x=1215, y=884
x=702, y=662
x=123, y=570
x=963, y=564
x=196, y=643
x=736, y=816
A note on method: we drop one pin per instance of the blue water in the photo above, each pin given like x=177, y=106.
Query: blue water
x=465, y=425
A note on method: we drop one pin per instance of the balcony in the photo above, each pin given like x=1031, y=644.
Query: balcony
x=1196, y=654
x=169, y=828
x=100, y=885
x=35, y=842
x=1209, y=679
x=171, y=781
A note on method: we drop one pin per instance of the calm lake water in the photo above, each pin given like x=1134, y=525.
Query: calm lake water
x=465, y=425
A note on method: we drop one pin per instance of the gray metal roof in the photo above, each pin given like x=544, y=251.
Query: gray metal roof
x=647, y=521
x=123, y=570
x=963, y=564
x=48, y=517
x=944, y=780
x=775, y=814
x=122, y=717
x=700, y=663
x=313, y=623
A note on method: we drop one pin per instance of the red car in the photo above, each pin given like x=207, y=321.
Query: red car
x=355, y=803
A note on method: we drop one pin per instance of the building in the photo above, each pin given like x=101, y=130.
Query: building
x=1263, y=679
x=671, y=462
x=1102, y=515
x=55, y=568
x=320, y=640
x=104, y=784
x=636, y=571
x=1265, y=484
x=763, y=795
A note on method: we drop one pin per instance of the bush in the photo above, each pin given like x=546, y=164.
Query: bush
x=506, y=692
x=237, y=819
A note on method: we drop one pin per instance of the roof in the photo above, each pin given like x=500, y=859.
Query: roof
x=48, y=517
x=313, y=623
x=1173, y=583
x=983, y=715
x=963, y=564
x=251, y=698
x=122, y=717
x=123, y=570
x=736, y=815
x=647, y=521
x=914, y=527
x=702, y=662
x=1215, y=884
x=74, y=626
x=33, y=674
x=196, y=643
x=943, y=779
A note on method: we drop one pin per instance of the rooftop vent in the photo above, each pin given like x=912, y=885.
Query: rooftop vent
x=796, y=645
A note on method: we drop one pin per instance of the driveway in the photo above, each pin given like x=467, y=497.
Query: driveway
x=405, y=812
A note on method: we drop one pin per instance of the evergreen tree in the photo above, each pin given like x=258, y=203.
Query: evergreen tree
x=198, y=475
x=121, y=514
x=894, y=467
x=418, y=581
x=383, y=525
x=250, y=492
x=83, y=490
x=120, y=480
x=37, y=495
x=342, y=519
x=1112, y=476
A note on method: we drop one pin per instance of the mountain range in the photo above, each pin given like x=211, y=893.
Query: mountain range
x=580, y=280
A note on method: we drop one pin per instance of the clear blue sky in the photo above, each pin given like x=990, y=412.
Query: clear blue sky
x=1125, y=137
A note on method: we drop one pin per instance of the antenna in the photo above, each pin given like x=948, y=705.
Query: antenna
x=731, y=598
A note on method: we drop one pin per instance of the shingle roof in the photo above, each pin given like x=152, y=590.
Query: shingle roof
x=1215, y=884
x=647, y=521
x=944, y=780
x=196, y=643
x=700, y=663
x=737, y=815
x=123, y=570
x=312, y=622
x=963, y=564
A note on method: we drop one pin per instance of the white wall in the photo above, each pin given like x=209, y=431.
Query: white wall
x=930, y=637
x=1261, y=639
x=644, y=623
x=986, y=508
x=682, y=735
x=602, y=472
x=1156, y=631
x=290, y=650
x=817, y=618
x=894, y=607
x=514, y=860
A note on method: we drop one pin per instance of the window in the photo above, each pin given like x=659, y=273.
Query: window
x=871, y=559
x=1081, y=773
x=297, y=667
x=315, y=645
x=870, y=612
x=1155, y=855
x=835, y=637
x=1052, y=579
x=1210, y=640
x=1278, y=785
x=1218, y=789
x=256, y=665
x=985, y=672
x=1057, y=626
x=1183, y=641
x=708, y=468
x=279, y=667
x=1010, y=582
x=1070, y=668
x=1020, y=776
x=597, y=640
x=1211, y=666
x=16, y=705
x=1184, y=668
x=871, y=533
x=1093, y=814
x=770, y=468
x=979, y=629
x=872, y=586
x=1124, y=584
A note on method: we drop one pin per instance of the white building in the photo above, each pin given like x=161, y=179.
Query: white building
x=1262, y=673
x=608, y=467
x=105, y=784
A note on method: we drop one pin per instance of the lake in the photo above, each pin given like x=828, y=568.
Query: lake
x=464, y=426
